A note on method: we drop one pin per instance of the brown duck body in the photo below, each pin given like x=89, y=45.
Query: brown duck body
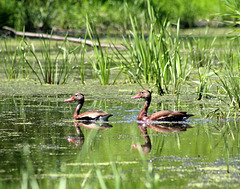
x=164, y=115
x=93, y=115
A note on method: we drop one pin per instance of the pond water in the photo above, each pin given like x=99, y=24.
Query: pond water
x=41, y=146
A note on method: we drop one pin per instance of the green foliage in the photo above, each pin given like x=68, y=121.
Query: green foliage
x=107, y=15
x=22, y=14
x=6, y=13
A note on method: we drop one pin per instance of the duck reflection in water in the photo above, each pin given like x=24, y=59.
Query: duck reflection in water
x=161, y=128
x=79, y=140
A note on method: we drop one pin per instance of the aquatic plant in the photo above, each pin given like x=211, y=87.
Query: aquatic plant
x=156, y=59
x=11, y=70
x=14, y=64
x=102, y=60
x=46, y=69
x=80, y=62
x=202, y=55
x=229, y=78
x=204, y=78
x=230, y=83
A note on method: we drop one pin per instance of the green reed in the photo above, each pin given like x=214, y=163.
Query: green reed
x=11, y=71
x=80, y=61
x=102, y=60
x=202, y=55
x=229, y=78
x=204, y=79
x=47, y=68
x=82, y=64
x=230, y=83
x=155, y=60
x=14, y=64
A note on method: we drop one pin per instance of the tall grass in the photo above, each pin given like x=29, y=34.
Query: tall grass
x=14, y=64
x=230, y=83
x=155, y=59
x=229, y=79
x=203, y=58
x=47, y=69
x=82, y=64
x=80, y=61
x=102, y=59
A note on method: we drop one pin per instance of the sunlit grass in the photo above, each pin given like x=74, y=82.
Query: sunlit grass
x=103, y=59
x=155, y=59
x=46, y=68
x=14, y=64
x=230, y=83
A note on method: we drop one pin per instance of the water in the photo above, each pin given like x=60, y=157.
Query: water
x=42, y=146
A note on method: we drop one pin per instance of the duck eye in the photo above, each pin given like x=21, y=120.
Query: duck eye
x=76, y=95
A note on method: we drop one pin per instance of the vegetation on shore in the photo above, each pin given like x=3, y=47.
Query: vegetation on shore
x=162, y=60
x=108, y=16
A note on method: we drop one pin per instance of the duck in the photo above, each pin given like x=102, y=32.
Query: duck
x=94, y=115
x=165, y=115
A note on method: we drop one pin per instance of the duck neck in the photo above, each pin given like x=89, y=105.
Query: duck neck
x=143, y=113
x=77, y=111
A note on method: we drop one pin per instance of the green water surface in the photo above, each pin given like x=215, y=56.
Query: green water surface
x=41, y=146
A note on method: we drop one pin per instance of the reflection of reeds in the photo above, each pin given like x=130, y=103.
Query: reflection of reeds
x=28, y=176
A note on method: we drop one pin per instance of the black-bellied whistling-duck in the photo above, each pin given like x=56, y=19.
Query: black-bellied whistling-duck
x=93, y=115
x=164, y=115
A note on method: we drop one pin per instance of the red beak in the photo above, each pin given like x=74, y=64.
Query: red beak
x=137, y=96
x=135, y=146
x=70, y=99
